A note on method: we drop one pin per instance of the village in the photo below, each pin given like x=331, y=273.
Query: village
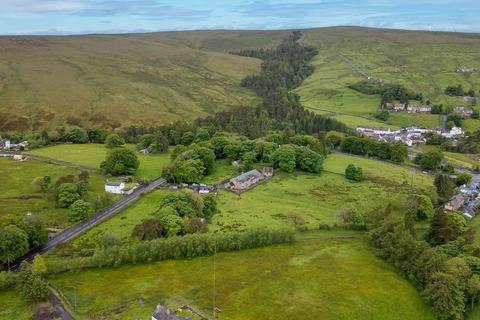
x=463, y=111
x=409, y=135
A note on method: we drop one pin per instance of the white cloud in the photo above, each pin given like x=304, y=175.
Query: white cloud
x=43, y=5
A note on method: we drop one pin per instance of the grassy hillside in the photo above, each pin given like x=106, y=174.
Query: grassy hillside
x=113, y=80
x=155, y=78
x=422, y=61
x=335, y=279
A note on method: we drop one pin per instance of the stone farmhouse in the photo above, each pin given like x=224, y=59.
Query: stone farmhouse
x=249, y=179
x=463, y=111
x=455, y=203
x=424, y=108
x=410, y=108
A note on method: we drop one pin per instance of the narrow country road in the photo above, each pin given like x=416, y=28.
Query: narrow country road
x=57, y=304
x=77, y=229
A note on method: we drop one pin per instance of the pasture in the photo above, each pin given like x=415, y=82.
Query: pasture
x=19, y=195
x=12, y=306
x=91, y=155
x=315, y=197
x=330, y=279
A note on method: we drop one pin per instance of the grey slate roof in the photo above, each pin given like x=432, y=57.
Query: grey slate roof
x=244, y=177
x=113, y=184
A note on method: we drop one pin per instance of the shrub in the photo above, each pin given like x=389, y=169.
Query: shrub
x=354, y=173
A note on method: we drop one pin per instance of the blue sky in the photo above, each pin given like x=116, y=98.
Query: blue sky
x=113, y=16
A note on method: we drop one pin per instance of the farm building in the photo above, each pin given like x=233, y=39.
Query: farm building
x=249, y=179
x=463, y=111
x=455, y=203
x=246, y=179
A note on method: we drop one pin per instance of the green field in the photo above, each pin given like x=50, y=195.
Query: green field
x=114, y=80
x=316, y=198
x=19, y=182
x=374, y=169
x=91, y=155
x=12, y=306
x=335, y=279
x=403, y=57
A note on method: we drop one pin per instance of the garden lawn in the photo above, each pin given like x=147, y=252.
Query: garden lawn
x=329, y=279
x=372, y=168
x=18, y=182
x=13, y=306
x=91, y=155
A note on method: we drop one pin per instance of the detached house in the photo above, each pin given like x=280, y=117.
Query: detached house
x=117, y=188
x=249, y=179
x=463, y=111
x=4, y=144
x=455, y=203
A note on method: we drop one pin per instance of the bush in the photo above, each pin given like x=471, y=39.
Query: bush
x=354, y=173
x=114, y=141
x=463, y=178
x=79, y=211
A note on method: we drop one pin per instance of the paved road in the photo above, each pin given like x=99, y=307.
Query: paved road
x=77, y=229
x=62, y=312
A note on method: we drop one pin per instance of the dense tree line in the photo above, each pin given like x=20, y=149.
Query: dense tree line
x=284, y=68
x=388, y=91
x=459, y=91
x=368, y=147
x=178, y=213
x=188, y=246
x=446, y=269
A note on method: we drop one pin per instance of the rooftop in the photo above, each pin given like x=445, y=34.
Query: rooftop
x=113, y=184
x=248, y=175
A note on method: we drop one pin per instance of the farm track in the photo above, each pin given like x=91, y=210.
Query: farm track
x=63, y=163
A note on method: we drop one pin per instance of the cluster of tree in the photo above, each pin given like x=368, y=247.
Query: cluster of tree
x=388, y=91
x=289, y=157
x=188, y=246
x=354, y=173
x=191, y=162
x=446, y=270
x=154, y=143
x=179, y=213
x=18, y=235
x=430, y=160
x=283, y=69
x=30, y=281
x=120, y=161
x=371, y=148
x=468, y=144
x=71, y=192
x=445, y=186
x=382, y=115
x=458, y=91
